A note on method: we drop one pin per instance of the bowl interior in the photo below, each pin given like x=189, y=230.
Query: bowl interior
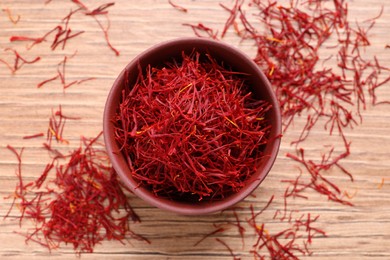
x=169, y=51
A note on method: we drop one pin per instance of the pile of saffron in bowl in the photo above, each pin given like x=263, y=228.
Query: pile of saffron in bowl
x=191, y=129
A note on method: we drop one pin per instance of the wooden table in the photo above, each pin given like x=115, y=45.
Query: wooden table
x=358, y=232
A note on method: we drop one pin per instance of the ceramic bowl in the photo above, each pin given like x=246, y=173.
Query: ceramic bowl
x=166, y=51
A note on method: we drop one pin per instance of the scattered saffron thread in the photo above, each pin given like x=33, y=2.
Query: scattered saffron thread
x=77, y=200
x=61, y=75
x=56, y=127
x=201, y=30
x=33, y=136
x=62, y=34
x=10, y=17
x=178, y=7
x=19, y=61
x=101, y=10
x=288, y=41
x=380, y=186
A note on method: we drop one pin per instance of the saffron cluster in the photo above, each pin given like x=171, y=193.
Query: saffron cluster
x=191, y=129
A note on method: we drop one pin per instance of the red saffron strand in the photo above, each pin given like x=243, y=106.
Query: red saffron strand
x=20, y=188
x=101, y=10
x=40, y=84
x=289, y=39
x=61, y=75
x=56, y=126
x=216, y=231
x=233, y=14
x=19, y=61
x=86, y=206
x=298, y=31
x=201, y=30
x=33, y=136
x=215, y=144
x=19, y=168
x=240, y=227
x=254, y=216
x=62, y=34
x=228, y=248
x=178, y=7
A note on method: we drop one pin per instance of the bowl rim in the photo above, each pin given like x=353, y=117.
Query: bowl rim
x=176, y=206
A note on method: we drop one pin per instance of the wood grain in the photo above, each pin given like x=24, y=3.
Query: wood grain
x=358, y=232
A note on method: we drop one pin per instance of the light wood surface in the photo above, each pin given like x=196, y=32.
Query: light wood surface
x=358, y=232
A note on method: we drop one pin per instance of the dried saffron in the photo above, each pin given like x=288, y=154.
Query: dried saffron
x=192, y=129
x=228, y=248
x=216, y=231
x=61, y=75
x=101, y=10
x=201, y=30
x=62, y=31
x=19, y=61
x=288, y=38
x=295, y=235
x=56, y=127
x=62, y=34
x=178, y=7
x=20, y=188
x=33, y=136
x=77, y=200
x=10, y=17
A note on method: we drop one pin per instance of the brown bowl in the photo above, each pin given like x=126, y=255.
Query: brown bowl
x=160, y=54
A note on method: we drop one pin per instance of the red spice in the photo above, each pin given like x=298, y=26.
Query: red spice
x=62, y=34
x=233, y=14
x=61, y=75
x=293, y=240
x=25, y=38
x=33, y=136
x=215, y=142
x=80, y=202
x=19, y=61
x=52, y=151
x=241, y=229
x=201, y=30
x=42, y=178
x=20, y=188
x=287, y=49
x=178, y=7
x=40, y=84
x=318, y=181
x=255, y=215
x=101, y=10
x=288, y=42
x=228, y=248
x=56, y=127
x=216, y=231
